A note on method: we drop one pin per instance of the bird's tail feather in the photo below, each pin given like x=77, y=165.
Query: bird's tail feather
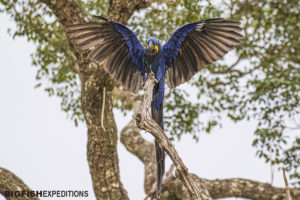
x=160, y=158
x=157, y=115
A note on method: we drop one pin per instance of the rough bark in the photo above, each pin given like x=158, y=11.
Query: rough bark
x=121, y=10
x=66, y=11
x=173, y=189
x=145, y=122
x=10, y=182
x=143, y=149
x=102, y=142
x=134, y=142
x=238, y=187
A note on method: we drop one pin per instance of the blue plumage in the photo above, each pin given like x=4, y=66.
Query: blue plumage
x=157, y=66
x=171, y=48
x=136, y=50
x=160, y=60
x=189, y=49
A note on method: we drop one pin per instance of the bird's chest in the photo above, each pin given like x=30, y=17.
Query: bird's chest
x=155, y=63
x=157, y=66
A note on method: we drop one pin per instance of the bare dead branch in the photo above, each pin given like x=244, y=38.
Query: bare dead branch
x=133, y=141
x=145, y=122
x=215, y=189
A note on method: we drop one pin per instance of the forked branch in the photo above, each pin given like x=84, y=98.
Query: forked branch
x=145, y=122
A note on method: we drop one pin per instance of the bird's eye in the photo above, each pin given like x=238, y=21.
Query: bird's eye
x=157, y=40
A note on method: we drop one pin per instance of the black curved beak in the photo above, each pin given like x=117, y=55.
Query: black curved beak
x=151, y=48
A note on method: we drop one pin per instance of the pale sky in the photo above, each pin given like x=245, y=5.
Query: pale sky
x=44, y=148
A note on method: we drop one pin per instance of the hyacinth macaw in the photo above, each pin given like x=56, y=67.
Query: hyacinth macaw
x=190, y=48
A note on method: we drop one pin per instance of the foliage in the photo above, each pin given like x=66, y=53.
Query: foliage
x=262, y=82
x=53, y=58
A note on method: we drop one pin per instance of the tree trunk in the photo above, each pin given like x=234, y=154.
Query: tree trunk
x=96, y=102
x=102, y=135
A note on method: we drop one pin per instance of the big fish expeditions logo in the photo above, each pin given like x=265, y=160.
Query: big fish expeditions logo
x=48, y=193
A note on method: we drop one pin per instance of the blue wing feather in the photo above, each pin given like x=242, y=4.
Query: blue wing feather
x=171, y=48
x=136, y=50
x=113, y=45
x=197, y=44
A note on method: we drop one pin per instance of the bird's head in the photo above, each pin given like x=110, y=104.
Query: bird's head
x=153, y=46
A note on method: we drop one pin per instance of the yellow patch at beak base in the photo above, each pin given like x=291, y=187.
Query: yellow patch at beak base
x=156, y=48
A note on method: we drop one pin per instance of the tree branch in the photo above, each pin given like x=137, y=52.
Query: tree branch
x=169, y=178
x=133, y=141
x=237, y=187
x=93, y=81
x=66, y=11
x=10, y=182
x=225, y=188
x=234, y=187
x=229, y=69
x=143, y=149
x=102, y=144
x=288, y=195
x=174, y=189
x=129, y=97
x=121, y=10
x=145, y=122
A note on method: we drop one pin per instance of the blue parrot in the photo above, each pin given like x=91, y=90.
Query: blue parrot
x=190, y=48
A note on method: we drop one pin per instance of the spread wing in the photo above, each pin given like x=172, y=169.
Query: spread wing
x=195, y=45
x=113, y=45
